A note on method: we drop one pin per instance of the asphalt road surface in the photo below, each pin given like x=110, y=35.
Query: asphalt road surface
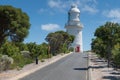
x=72, y=67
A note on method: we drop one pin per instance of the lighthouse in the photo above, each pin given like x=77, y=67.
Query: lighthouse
x=74, y=27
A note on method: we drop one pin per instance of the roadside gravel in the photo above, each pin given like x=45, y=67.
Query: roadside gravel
x=99, y=70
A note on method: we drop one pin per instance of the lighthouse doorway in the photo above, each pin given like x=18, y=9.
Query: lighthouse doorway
x=77, y=48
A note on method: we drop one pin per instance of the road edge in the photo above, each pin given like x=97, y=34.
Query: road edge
x=89, y=64
x=38, y=68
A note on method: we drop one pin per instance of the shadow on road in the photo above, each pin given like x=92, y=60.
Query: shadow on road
x=115, y=73
x=85, y=57
x=112, y=77
x=96, y=67
x=80, y=68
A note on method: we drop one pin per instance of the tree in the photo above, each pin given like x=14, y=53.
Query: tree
x=57, y=41
x=107, y=36
x=14, y=24
x=99, y=47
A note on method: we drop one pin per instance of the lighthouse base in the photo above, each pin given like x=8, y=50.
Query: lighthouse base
x=78, y=49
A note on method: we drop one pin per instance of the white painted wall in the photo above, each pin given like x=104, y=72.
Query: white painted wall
x=74, y=27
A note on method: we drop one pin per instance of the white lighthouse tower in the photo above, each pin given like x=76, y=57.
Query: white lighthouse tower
x=74, y=27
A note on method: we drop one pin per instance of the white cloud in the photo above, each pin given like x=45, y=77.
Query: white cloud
x=57, y=4
x=63, y=5
x=52, y=4
x=50, y=27
x=41, y=10
x=89, y=9
x=113, y=14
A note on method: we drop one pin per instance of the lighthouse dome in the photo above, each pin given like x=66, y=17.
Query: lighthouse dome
x=74, y=9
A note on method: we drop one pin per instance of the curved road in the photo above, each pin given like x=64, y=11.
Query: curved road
x=72, y=67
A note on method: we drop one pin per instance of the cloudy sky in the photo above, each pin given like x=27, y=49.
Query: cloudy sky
x=51, y=15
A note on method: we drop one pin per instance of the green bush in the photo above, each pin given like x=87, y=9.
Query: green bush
x=5, y=62
x=0, y=55
x=9, y=49
x=71, y=49
x=116, y=55
x=20, y=60
x=32, y=47
x=43, y=56
x=23, y=54
x=22, y=46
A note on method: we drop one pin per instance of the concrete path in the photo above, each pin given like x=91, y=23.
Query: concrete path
x=72, y=67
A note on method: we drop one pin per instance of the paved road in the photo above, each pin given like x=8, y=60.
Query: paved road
x=72, y=67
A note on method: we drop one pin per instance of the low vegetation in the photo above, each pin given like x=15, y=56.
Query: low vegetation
x=13, y=56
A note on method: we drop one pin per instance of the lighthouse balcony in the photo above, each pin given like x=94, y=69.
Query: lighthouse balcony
x=74, y=24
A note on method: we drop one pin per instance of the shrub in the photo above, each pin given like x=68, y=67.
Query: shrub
x=9, y=49
x=26, y=54
x=5, y=62
x=116, y=55
x=20, y=60
x=42, y=56
x=71, y=49
x=0, y=55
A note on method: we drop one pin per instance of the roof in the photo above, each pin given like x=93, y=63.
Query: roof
x=74, y=9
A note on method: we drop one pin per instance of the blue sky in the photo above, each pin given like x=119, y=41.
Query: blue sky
x=51, y=15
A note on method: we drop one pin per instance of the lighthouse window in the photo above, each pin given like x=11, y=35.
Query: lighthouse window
x=68, y=16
